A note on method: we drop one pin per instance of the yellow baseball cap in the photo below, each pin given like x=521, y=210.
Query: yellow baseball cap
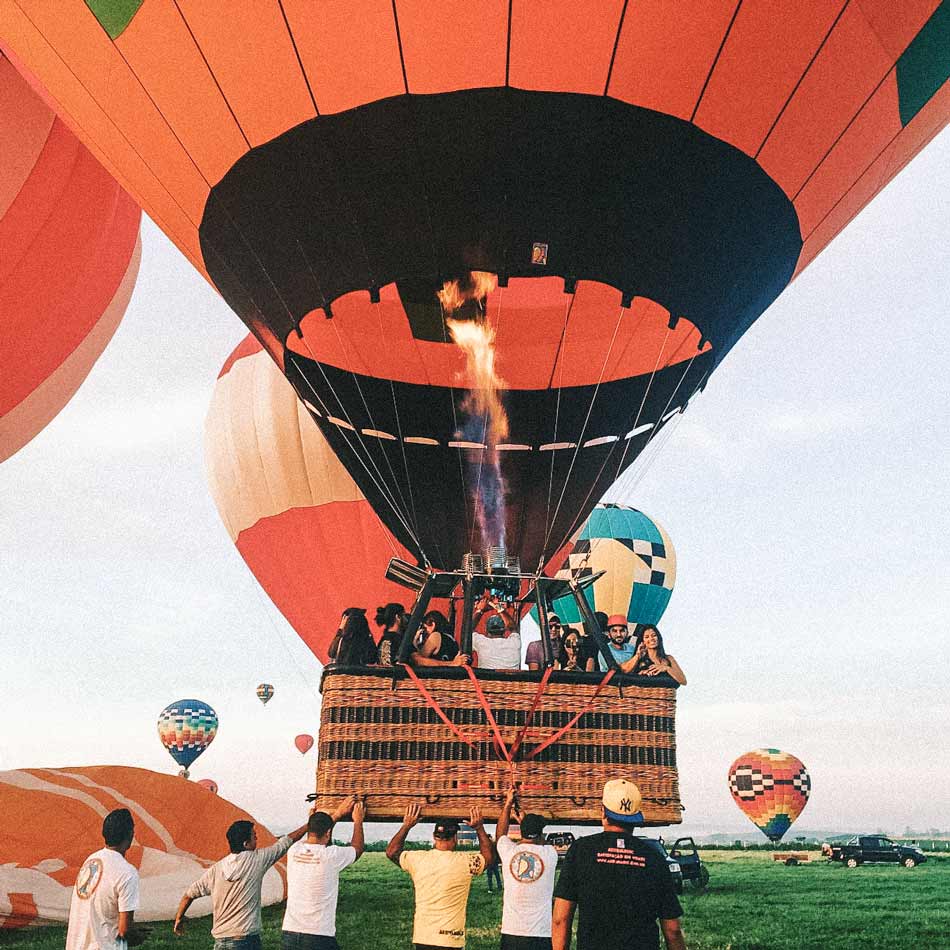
x=622, y=802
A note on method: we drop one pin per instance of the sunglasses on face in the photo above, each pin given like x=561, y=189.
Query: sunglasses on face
x=553, y=623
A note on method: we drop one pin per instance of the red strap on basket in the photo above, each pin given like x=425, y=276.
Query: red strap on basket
x=516, y=745
x=434, y=705
x=557, y=735
x=488, y=713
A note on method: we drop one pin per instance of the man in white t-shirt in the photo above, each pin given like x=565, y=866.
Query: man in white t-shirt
x=313, y=880
x=499, y=648
x=106, y=895
x=234, y=884
x=528, y=867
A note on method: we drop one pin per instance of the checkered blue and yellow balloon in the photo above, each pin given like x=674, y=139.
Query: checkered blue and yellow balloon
x=637, y=555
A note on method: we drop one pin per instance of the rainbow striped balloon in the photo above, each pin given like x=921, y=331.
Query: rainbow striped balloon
x=187, y=727
x=771, y=787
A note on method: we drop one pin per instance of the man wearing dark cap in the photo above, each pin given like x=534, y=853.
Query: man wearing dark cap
x=441, y=878
x=528, y=866
x=619, y=885
x=106, y=895
x=499, y=647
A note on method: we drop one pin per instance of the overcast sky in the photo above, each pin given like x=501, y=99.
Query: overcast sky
x=805, y=492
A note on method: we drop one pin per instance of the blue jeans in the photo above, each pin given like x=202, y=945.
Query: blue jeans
x=493, y=874
x=294, y=941
x=247, y=942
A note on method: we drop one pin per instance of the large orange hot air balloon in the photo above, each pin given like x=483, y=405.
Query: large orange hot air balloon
x=644, y=180
x=69, y=255
x=298, y=519
x=771, y=787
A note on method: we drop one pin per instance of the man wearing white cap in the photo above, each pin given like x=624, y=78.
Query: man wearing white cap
x=620, y=887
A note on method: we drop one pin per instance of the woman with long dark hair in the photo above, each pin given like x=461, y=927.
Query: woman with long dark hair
x=650, y=658
x=434, y=644
x=353, y=644
x=392, y=618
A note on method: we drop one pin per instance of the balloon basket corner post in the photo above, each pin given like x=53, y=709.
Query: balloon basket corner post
x=451, y=739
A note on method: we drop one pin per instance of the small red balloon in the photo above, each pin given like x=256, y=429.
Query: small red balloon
x=210, y=784
x=304, y=743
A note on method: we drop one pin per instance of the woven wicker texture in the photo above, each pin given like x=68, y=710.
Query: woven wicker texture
x=392, y=746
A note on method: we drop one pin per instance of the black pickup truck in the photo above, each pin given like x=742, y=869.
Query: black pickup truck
x=874, y=849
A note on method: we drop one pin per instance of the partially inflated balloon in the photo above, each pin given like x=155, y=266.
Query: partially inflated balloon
x=265, y=693
x=639, y=561
x=304, y=743
x=69, y=255
x=209, y=784
x=771, y=787
x=644, y=179
x=187, y=728
x=298, y=519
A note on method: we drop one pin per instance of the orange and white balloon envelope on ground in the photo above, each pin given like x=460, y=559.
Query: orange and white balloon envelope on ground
x=51, y=821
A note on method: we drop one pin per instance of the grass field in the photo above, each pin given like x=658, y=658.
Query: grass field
x=751, y=904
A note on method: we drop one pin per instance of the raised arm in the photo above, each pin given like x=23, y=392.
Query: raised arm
x=504, y=819
x=395, y=847
x=484, y=841
x=357, y=842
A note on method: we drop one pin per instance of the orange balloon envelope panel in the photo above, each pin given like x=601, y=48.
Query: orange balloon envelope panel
x=615, y=192
x=69, y=255
x=51, y=821
x=304, y=743
x=300, y=522
x=771, y=787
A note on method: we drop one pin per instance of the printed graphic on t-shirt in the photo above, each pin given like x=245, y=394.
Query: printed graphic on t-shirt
x=526, y=867
x=475, y=865
x=621, y=856
x=89, y=877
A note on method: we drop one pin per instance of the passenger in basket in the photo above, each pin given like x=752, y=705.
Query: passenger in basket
x=528, y=866
x=392, y=618
x=570, y=659
x=499, y=648
x=353, y=644
x=618, y=639
x=534, y=655
x=619, y=885
x=434, y=645
x=441, y=878
x=313, y=879
x=650, y=659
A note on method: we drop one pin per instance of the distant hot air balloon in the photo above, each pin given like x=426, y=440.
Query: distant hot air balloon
x=265, y=692
x=771, y=787
x=304, y=743
x=208, y=783
x=186, y=728
x=69, y=256
x=638, y=557
x=303, y=527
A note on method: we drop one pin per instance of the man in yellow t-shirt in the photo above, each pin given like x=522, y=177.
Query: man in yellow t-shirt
x=441, y=879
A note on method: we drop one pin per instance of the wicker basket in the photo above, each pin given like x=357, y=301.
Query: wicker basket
x=380, y=737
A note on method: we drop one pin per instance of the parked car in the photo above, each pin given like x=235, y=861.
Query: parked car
x=562, y=840
x=683, y=860
x=874, y=849
x=467, y=836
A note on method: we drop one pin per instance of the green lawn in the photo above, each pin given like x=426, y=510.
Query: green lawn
x=751, y=904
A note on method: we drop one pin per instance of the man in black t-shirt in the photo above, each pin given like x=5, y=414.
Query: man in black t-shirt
x=619, y=886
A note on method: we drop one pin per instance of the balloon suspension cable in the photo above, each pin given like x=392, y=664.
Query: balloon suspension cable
x=549, y=527
x=377, y=478
x=558, y=364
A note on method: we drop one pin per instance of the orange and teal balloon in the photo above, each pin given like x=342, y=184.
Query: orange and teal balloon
x=265, y=693
x=771, y=787
x=187, y=727
x=304, y=743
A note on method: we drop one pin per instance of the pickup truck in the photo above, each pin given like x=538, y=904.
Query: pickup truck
x=874, y=849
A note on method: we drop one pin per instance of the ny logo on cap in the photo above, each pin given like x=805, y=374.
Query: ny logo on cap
x=626, y=804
